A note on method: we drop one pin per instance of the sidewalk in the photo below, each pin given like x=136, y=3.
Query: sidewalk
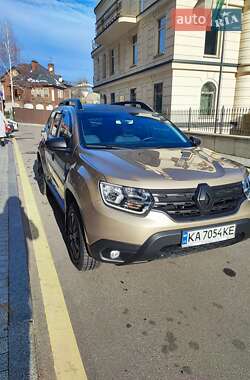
x=16, y=338
x=4, y=264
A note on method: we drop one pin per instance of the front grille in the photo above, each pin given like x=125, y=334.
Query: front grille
x=182, y=204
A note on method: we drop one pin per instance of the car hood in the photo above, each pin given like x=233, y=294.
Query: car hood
x=163, y=168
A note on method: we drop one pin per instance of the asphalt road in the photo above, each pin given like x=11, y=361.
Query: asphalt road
x=184, y=318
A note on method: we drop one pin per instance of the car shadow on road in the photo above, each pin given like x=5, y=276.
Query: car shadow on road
x=18, y=308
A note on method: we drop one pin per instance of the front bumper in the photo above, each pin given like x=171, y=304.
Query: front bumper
x=162, y=244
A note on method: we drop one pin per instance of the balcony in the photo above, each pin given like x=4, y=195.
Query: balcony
x=117, y=20
x=95, y=45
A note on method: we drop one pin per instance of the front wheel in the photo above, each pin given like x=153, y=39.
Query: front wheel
x=76, y=241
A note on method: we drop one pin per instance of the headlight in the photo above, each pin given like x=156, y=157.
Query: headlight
x=246, y=186
x=128, y=199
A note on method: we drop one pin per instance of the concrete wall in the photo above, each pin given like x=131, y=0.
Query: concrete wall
x=230, y=145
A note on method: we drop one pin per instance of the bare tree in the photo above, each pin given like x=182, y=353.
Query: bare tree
x=9, y=53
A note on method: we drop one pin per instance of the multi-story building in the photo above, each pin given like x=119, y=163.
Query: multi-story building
x=84, y=91
x=34, y=87
x=138, y=55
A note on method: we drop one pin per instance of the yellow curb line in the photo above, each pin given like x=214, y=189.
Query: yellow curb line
x=67, y=359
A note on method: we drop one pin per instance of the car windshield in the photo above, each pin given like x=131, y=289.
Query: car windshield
x=129, y=130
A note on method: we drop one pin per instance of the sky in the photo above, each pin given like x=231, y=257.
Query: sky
x=57, y=31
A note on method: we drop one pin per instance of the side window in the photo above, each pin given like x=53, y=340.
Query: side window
x=55, y=124
x=51, y=118
x=66, y=126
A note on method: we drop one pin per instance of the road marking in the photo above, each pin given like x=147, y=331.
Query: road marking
x=67, y=359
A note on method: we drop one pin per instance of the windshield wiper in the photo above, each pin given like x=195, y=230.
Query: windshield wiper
x=99, y=146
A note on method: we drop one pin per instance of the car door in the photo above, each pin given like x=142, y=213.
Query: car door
x=64, y=158
x=50, y=154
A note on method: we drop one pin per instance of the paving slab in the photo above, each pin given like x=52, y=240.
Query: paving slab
x=17, y=354
x=4, y=262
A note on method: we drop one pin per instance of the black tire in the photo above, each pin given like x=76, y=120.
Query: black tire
x=76, y=241
x=41, y=178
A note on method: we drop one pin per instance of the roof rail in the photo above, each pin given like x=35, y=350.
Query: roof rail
x=142, y=105
x=73, y=102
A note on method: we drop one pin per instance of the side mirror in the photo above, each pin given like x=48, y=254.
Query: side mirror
x=195, y=140
x=56, y=143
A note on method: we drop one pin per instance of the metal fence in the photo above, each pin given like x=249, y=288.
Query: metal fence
x=228, y=121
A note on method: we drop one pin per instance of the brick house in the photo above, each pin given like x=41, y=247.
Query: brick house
x=35, y=87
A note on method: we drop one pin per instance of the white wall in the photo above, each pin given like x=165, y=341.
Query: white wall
x=184, y=89
x=187, y=85
x=144, y=84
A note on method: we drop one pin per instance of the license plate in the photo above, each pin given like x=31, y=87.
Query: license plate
x=208, y=235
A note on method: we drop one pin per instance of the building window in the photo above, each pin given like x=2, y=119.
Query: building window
x=40, y=92
x=112, y=62
x=39, y=107
x=141, y=6
x=29, y=106
x=104, y=97
x=104, y=66
x=162, y=35
x=135, y=50
x=112, y=98
x=208, y=97
x=158, y=90
x=60, y=94
x=133, y=95
x=211, y=43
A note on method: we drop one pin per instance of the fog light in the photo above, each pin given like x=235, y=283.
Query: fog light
x=114, y=254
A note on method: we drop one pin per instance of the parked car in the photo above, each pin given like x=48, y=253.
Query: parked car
x=133, y=187
x=9, y=129
x=14, y=124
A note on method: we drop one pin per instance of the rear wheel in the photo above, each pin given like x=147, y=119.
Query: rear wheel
x=76, y=241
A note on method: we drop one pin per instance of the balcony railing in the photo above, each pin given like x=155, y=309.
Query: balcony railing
x=111, y=15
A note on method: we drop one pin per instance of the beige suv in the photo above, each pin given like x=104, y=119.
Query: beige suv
x=134, y=187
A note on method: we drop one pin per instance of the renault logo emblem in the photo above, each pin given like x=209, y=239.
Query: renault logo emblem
x=204, y=198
